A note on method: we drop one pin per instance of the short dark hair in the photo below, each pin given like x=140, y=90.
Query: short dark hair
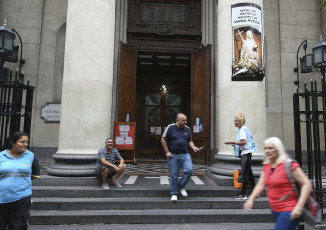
x=109, y=138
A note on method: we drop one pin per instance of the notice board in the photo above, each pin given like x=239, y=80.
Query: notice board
x=124, y=139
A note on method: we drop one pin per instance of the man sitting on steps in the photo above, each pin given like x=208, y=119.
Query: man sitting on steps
x=106, y=167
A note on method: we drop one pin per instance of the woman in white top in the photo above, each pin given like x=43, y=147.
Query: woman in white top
x=244, y=146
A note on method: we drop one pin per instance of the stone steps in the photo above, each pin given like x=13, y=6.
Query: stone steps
x=150, y=216
x=135, y=191
x=72, y=201
x=142, y=203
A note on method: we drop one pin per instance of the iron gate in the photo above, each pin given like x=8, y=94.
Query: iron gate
x=16, y=101
x=313, y=116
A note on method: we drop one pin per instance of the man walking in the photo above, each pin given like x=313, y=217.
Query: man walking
x=175, y=141
x=106, y=167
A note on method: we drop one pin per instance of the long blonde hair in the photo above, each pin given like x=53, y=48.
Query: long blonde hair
x=279, y=147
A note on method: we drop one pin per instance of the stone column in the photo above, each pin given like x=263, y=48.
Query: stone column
x=236, y=97
x=87, y=86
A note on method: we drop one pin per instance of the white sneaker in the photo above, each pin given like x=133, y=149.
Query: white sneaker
x=117, y=185
x=105, y=186
x=174, y=198
x=183, y=192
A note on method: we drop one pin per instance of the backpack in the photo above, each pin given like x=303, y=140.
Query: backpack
x=312, y=213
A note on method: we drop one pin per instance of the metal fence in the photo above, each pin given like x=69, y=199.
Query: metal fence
x=16, y=100
x=309, y=109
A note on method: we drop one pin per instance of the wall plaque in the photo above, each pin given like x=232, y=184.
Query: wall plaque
x=51, y=112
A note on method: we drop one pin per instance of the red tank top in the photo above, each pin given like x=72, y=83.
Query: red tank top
x=278, y=185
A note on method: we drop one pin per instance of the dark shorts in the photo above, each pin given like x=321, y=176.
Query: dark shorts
x=15, y=214
x=99, y=170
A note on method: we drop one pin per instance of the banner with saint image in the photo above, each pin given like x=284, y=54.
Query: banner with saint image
x=248, y=63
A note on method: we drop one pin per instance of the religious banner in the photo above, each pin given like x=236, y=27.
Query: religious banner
x=248, y=63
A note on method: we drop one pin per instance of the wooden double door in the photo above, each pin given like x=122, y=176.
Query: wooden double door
x=142, y=96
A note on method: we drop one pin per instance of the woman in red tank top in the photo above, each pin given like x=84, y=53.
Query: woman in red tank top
x=286, y=207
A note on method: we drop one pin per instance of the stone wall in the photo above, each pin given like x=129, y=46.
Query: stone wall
x=54, y=16
x=38, y=22
x=287, y=25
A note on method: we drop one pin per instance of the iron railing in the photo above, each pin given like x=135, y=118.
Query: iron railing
x=16, y=101
x=313, y=116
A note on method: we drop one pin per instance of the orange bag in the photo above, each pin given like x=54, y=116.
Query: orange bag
x=237, y=178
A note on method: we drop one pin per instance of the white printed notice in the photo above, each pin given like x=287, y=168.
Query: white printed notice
x=158, y=131
x=246, y=14
x=124, y=128
x=119, y=140
x=123, y=133
x=128, y=141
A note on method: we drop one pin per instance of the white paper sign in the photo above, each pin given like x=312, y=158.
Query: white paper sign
x=120, y=140
x=124, y=128
x=123, y=133
x=246, y=14
x=158, y=131
x=152, y=130
x=128, y=141
x=196, y=129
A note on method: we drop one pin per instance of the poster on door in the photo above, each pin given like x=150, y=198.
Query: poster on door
x=248, y=63
x=124, y=135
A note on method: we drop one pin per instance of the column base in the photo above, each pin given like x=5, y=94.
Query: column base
x=227, y=163
x=73, y=165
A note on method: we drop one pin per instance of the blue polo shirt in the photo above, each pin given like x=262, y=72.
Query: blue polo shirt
x=177, y=138
x=15, y=175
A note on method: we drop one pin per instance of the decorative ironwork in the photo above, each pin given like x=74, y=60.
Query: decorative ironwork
x=12, y=107
x=313, y=115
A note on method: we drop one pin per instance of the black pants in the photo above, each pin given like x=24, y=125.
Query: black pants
x=247, y=174
x=15, y=214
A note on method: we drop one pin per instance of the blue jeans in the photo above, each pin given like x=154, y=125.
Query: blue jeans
x=283, y=221
x=175, y=163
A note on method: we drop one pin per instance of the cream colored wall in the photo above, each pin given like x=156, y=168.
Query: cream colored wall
x=236, y=97
x=287, y=24
x=54, y=16
x=26, y=18
x=37, y=22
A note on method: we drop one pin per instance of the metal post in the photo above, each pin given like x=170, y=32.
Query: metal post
x=297, y=128
x=28, y=110
x=297, y=69
x=308, y=133
x=323, y=94
x=2, y=69
x=316, y=141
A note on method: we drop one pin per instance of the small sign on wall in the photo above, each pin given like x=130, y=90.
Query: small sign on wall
x=51, y=112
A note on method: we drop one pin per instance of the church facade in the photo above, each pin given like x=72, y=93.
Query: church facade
x=144, y=61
